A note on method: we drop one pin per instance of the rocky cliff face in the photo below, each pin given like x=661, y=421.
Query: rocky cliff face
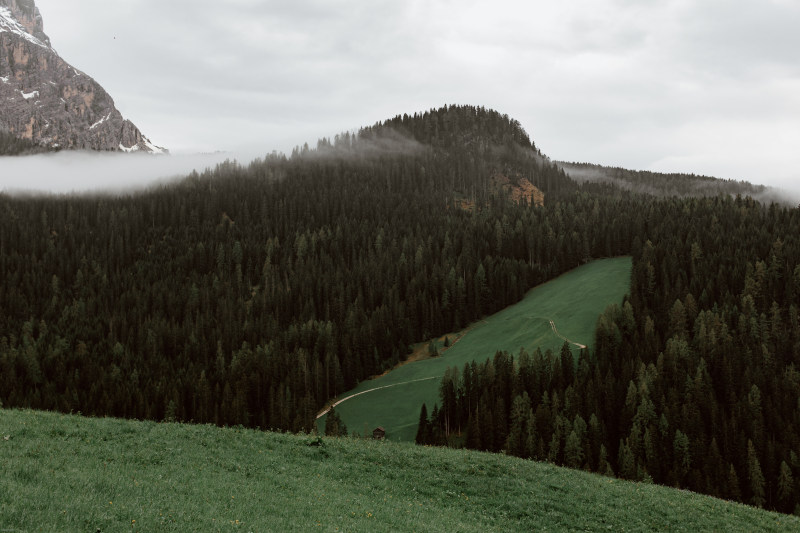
x=44, y=99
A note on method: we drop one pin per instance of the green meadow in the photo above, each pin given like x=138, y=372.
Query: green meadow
x=572, y=301
x=66, y=473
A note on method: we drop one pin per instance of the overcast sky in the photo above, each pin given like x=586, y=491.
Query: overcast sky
x=704, y=86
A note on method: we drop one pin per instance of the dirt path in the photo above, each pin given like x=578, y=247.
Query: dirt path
x=560, y=336
x=413, y=359
x=458, y=338
x=327, y=409
x=557, y=334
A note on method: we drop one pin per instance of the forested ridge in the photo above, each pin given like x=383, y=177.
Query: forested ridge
x=252, y=294
x=692, y=381
x=667, y=185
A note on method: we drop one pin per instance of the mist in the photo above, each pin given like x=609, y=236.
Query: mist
x=70, y=172
x=369, y=142
x=700, y=185
x=114, y=173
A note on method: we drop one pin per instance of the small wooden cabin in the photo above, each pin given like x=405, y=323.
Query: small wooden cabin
x=379, y=433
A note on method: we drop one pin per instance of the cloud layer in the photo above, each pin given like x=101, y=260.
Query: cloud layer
x=71, y=172
x=710, y=87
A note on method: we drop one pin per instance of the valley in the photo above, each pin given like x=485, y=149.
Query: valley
x=253, y=295
x=573, y=301
x=424, y=323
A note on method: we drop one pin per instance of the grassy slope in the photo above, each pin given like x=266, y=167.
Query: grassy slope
x=573, y=300
x=69, y=473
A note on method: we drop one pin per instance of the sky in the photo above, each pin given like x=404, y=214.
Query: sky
x=701, y=86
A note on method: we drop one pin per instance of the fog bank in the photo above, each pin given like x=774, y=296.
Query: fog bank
x=93, y=172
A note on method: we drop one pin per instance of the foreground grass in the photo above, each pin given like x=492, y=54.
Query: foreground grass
x=68, y=473
x=573, y=301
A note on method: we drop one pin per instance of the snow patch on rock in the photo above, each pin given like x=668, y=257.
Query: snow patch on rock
x=134, y=148
x=153, y=148
x=7, y=23
x=93, y=126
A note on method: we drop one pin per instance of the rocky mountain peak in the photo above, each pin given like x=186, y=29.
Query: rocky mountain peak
x=48, y=101
x=27, y=15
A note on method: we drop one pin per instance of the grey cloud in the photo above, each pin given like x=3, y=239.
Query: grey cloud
x=104, y=173
x=740, y=39
x=621, y=82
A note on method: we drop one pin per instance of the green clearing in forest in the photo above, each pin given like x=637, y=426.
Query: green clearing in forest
x=68, y=474
x=572, y=301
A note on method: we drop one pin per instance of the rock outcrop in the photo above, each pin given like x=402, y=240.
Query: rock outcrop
x=46, y=100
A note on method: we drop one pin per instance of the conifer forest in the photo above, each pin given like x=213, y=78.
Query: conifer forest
x=254, y=294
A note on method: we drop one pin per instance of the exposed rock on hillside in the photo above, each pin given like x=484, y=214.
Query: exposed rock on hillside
x=518, y=187
x=48, y=101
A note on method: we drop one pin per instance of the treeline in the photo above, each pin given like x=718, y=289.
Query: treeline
x=693, y=381
x=251, y=295
x=665, y=185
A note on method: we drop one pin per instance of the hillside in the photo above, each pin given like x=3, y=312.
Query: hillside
x=252, y=295
x=661, y=184
x=573, y=301
x=69, y=473
x=253, y=283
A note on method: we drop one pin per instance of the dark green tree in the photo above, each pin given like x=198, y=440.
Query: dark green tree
x=334, y=427
x=424, y=431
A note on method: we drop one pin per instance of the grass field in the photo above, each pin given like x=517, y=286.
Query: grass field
x=62, y=473
x=572, y=301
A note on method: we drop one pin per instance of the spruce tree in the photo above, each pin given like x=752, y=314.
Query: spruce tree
x=785, y=486
x=573, y=451
x=334, y=427
x=424, y=427
x=756, y=477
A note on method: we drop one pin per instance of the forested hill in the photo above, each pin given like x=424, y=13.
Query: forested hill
x=469, y=145
x=253, y=294
x=459, y=129
x=663, y=185
x=692, y=381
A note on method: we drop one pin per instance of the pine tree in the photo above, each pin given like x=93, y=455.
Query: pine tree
x=573, y=451
x=438, y=437
x=531, y=440
x=603, y=466
x=334, y=426
x=755, y=476
x=473, y=432
x=520, y=409
x=733, y=492
x=785, y=486
x=424, y=427
x=627, y=463
x=682, y=461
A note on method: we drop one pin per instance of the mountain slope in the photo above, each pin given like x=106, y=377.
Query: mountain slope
x=48, y=101
x=574, y=300
x=252, y=295
x=69, y=473
x=665, y=185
